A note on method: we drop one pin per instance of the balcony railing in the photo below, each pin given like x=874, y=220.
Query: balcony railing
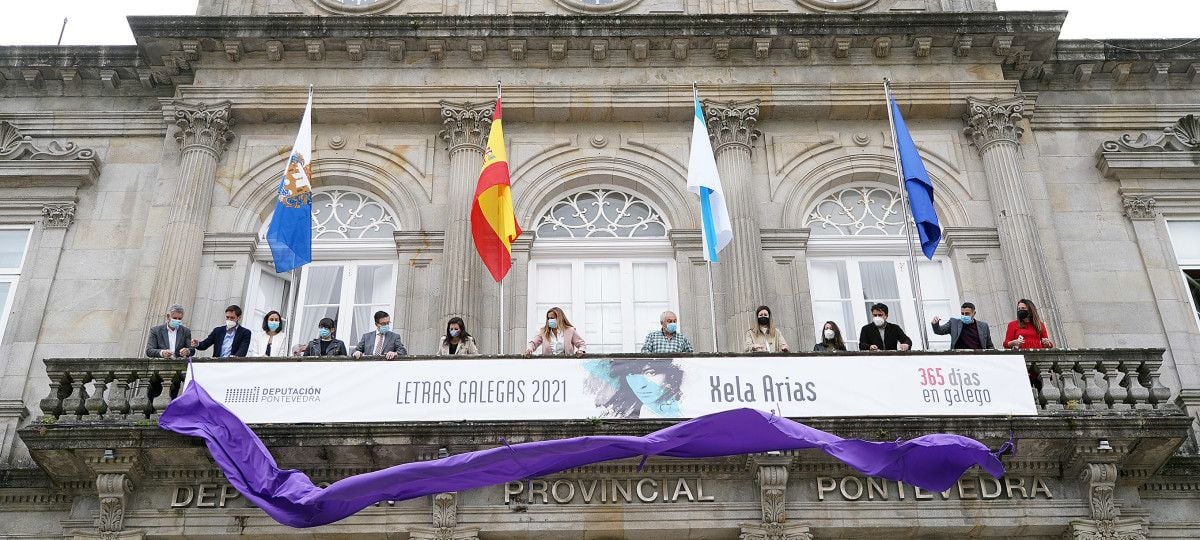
x=137, y=390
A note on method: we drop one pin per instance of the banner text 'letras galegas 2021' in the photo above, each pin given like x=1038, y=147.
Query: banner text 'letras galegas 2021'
x=570, y=388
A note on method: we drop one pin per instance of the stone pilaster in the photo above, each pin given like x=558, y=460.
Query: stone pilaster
x=772, y=483
x=203, y=135
x=732, y=128
x=995, y=132
x=1105, y=522
x=465, y=131
x=445, y=522
x=116, y=474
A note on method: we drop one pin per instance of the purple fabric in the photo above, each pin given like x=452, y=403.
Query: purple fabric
x=932, y=462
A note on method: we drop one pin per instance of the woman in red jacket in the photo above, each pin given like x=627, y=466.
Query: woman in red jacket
x=1028, y=331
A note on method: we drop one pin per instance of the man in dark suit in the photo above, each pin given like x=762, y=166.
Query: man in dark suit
x=382, y=341
x=172, y=338
x=881, y=335
x=966, y=332
x=232, y=339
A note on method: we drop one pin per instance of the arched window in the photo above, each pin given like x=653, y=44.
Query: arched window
x=858, y=255
x=602, y=255
x=352, y=274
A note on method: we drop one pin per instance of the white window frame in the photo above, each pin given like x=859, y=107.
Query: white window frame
x=12, y=275
x=1185, y=264
x=622, y=251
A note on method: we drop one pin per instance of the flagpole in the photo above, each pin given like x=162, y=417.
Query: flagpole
x=293, y=318
x=712, y=302
x=913, y=278
x=500, y=329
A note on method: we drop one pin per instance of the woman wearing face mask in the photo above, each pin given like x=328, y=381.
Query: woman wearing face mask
x=457, y=342
x=831, y=338
x=557, y=337
x=1028, y=331
x=273, y=340
x=762, y=336
x=324, y=344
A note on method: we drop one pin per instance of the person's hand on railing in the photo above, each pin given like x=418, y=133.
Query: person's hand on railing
x=904, y=346
x=165, y=353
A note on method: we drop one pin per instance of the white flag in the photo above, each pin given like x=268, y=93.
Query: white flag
x=703, y=180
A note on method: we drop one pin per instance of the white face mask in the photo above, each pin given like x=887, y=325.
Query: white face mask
x=828, y=334
x=879, y=321
x=230, y=324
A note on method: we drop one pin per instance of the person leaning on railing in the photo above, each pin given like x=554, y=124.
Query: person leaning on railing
x=882, y=335
x=273, y=340
x=830, y=339
x=1028, y=331
x=381, y=341
x=667, y=339
x=457, y=341
x=763, y=336
x=172, y=338
x=557, y=338
x=324, y=344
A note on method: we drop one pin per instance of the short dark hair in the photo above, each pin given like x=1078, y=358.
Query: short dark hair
x=268, y=316
x=380, y=315
x=881, y=307
x=327, y=323
x=237, y=310
x=969, y=306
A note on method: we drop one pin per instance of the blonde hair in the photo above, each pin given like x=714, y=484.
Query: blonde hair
x=563, y=323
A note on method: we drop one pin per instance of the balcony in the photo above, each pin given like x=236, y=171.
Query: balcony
x=1104, y=407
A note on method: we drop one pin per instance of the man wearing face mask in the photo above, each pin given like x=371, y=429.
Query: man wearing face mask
x=966, y=332
x=232, y=339
x=881, y=335
x=381, y=342
x=668, y=339
x=172, y=338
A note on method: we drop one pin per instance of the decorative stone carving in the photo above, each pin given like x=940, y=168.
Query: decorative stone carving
x=466, y=124
x=203, y=125
x=1106, y=522
x=994, y=121
x=1138, y=207
x=445, y=522
x=112, y=489
x=772, y=483
x=732, y=123
x=834, y=6
x=601, y=213
x=14, y=146
x=1183, y=136
x=58, y=216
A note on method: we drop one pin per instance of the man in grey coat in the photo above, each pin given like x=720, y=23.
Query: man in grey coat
x=383, y=341
x=171, y=339
x=966, y=332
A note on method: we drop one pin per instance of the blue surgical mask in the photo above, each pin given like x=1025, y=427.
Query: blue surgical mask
x=552, y=323
x=672, y=327
x=454, y=333
x=272, y=325
x=175, y=323
x=385, y=329
x=324, y=333
x=967, y=319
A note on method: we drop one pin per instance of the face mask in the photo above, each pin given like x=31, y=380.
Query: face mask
x=1022, y=314
x=272, y=325
x=324, y=333
x=829, y=334
x=229, y=325
x=454, y=333
x=175, y=323
x=552, y=323
x=763, y=321
x=385, y=329
x=672, y=327
x=879, y=321
x=967, y=319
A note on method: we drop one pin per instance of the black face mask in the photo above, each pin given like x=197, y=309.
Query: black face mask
x=1022, y=314
x=764, y=321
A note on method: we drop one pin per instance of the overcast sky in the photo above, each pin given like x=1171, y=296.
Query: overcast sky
x=102, y=22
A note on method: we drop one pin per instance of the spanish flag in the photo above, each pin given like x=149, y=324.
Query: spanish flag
x=493, y=223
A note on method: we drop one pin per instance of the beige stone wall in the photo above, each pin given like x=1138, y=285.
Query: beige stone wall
x=562, y=7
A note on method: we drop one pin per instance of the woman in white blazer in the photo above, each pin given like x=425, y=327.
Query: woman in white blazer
x=557, y=338
x=272, y=341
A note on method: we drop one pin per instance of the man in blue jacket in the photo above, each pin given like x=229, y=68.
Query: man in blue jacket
x=232, y=339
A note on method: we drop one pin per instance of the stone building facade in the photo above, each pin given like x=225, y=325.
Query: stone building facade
x=1066, y=172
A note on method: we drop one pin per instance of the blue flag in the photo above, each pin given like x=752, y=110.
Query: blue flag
x=917, y=184
x=290, y=232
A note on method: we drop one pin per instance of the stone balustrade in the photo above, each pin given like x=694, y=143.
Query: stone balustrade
x=133, y=390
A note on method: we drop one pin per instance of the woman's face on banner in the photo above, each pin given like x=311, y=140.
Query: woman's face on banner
x=647, y=385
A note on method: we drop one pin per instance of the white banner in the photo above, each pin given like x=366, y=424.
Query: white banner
x=569, y=388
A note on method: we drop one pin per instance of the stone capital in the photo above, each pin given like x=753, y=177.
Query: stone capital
x=1138, y=207
x=204, y=126
x=992, y=121
x=58, y=216
x=445, y=522
x=466, y=125
x=732, y=124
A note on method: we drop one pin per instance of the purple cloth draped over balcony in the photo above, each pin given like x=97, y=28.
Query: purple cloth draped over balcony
x=932, y=462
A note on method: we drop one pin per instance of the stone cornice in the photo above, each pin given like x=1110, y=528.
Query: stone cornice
x=1120, y=64
x=1120, y=117
x=107, y=68
x=88, y=123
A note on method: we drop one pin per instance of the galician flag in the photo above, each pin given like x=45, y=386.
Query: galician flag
x=704, y=181
x=493, y=223
x=290, y=232
x=916, y=184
